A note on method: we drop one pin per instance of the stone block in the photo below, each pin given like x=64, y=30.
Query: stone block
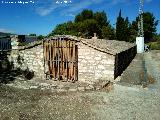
x=101, y=67
x=72, y=89
x=33, y=87
x=108, y=72
x=97, y=58
x=61, y=90
x=108, y=61
x=91, y=71
x=91, y=61
x=84, y=61
x=98, y=75
x=86, y=53
x=81, y=88
x=81, y=57
x=92, y=53
x=91, y=87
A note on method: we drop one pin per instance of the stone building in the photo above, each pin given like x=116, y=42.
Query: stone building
x=72, y=58
x=100, y=59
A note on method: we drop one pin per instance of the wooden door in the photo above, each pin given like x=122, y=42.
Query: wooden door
x=61, y=58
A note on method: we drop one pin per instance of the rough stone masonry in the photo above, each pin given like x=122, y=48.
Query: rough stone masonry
x=97, y=58
x=94, y=65
x=29, y=57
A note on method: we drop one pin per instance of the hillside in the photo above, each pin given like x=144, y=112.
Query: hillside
x=2, y=34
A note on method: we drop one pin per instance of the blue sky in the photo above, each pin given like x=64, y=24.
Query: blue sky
x=41, y=16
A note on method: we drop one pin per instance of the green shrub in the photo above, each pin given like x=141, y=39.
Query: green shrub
x=154, y=45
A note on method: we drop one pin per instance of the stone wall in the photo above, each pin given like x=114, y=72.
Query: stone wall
x=29, y=57
x=123, y=59
x=94, y=65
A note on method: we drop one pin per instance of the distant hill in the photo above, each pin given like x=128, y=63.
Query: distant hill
x=2, y=34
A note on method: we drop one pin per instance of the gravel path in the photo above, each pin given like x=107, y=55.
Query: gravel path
x=134, y=102
x=124, y=102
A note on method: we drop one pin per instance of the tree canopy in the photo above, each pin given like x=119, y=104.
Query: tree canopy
x=122, y=28
x=127, y=31
x=149, y=26
x=88, y=22
x=32, y=34
x=84, y=15
x=40, y=37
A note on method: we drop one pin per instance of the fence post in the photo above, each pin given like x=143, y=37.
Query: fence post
x=14, y=42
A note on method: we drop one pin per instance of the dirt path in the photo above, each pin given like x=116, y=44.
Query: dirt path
x=124, y=102
x=153, y=67
x=134, y=102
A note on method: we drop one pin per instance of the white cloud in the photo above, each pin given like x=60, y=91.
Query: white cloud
x=57, y=2
x=5, y=30
x=115, y=2
x=76, y=7
x=45, y=11
x=49, y=6
x=45, y=8
x=69, y=8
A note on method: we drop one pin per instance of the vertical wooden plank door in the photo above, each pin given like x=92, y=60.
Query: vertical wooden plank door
x=60, y=56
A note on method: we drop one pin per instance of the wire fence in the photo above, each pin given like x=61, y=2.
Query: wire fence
x=5, y=44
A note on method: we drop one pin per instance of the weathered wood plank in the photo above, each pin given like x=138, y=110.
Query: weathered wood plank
x=53, y=68
x=61, y=57
x=71, y=56
x=58, y=60
x=74, y=75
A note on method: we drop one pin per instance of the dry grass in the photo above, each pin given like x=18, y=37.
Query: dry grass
x=150, y=79
x=141, y=75
x=108, y=87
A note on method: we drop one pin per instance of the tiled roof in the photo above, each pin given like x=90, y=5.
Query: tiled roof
x=108, y=46
x=112, y=47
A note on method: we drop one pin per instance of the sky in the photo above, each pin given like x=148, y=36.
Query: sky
x=41, y=16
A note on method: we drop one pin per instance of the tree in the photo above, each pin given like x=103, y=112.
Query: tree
x=149, y=23
x=88, y=28
x=156, y=37
x=60, y=29
x=126, y=30
x=40, y=37
x=32, y=34
x=108, y=32
x=119, y=27
x=133, y=28
x=84, y=15
x=149, y=26
x=78, y=18
x=122, y=28
x=85, y=24
x=101, y=19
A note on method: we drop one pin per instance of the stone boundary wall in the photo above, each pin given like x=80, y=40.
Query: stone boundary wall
x=29, y=57
x=123, y=59
x=93, y=65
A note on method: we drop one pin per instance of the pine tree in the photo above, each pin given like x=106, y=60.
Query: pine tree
x=122, y=28
x=149, y=23
x=108, y=32
x=126, y=30
x=119, y=27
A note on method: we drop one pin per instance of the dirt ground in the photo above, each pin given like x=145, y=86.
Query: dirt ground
x=129, y=100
